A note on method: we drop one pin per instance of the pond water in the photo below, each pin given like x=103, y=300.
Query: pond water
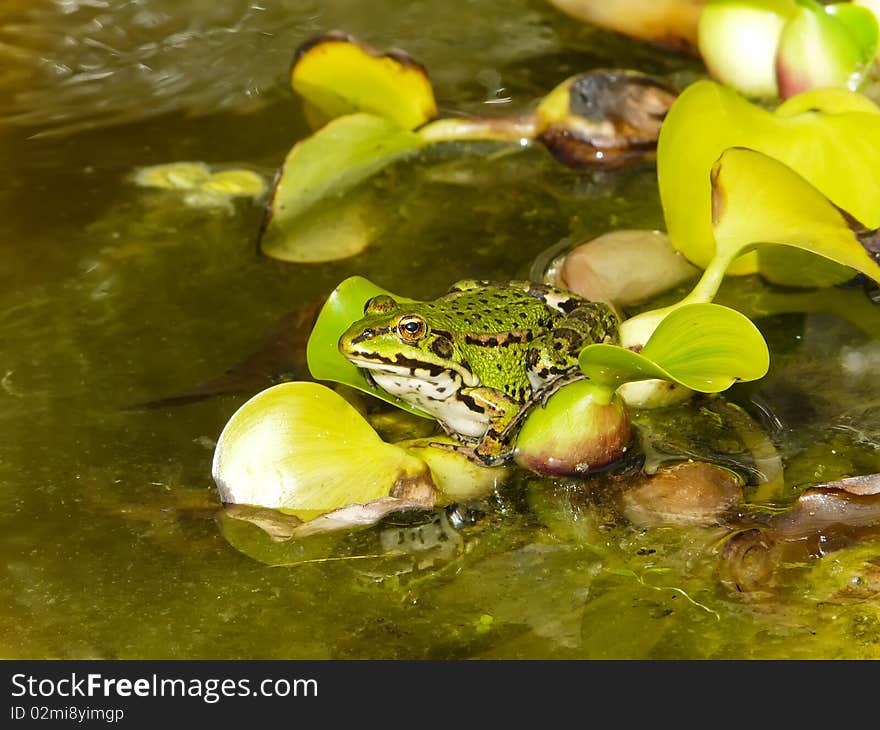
x=118, y=303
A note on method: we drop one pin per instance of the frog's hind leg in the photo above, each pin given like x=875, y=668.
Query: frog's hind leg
x=489, y=451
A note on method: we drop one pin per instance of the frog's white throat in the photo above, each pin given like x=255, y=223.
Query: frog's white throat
x=432, y=393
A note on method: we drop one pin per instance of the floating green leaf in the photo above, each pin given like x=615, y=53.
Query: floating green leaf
x=837, y=150
x=317, y=173
x=705, y=347
x=337, y=75
x=344, y=306
x=756, y=201
x=302, y=447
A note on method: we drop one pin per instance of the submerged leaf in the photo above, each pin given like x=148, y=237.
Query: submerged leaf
x=320, y=170
x=201, y=186
x=301, y=447
x=686, y=493
x=705, y=347
x=235, y=183
x=837, y=150
x=337, y=75
x=173, y=175
x=344, y=306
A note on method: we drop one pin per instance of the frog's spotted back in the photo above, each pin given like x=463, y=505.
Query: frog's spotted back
x=562, y=301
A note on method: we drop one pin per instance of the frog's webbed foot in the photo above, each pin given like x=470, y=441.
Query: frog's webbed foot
x=482, y=453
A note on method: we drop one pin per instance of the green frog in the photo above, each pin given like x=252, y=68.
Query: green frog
x=479, y=357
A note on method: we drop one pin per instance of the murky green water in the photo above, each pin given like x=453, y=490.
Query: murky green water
x=114, y=296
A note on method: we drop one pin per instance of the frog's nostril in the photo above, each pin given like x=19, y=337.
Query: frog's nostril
x=367, y=334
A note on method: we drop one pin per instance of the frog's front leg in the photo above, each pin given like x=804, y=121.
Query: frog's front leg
x=495, y=446
x=557, y=352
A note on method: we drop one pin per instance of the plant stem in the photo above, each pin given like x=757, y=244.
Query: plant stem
x=522, y=129
x=707, y=287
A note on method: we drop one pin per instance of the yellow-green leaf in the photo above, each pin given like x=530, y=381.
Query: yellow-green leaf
x=304, y=222
x=337, y=75
x=757, y=199
x=302, y=447
x=705, y=347
x=837, y=150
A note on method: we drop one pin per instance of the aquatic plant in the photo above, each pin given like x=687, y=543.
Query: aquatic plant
x=791, y=194
x=371, y=109
x=733, y=178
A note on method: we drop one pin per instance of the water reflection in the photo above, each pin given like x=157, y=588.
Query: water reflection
x=74, y=64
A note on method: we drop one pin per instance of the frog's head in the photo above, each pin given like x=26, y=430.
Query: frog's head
x=397, y=339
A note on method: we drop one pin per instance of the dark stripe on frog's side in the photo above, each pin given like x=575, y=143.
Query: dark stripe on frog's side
x=505, y=339
x=471, y=403
x=370, y=333
x=405, y=362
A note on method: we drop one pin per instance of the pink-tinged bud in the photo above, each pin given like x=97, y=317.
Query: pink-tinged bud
x=581, y=428
x=816, y=50
x=738, y=40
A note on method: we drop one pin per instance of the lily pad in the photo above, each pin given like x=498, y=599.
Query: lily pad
x=302, y=221
x=303, y=448
x=837, y=150
x=344, y=306
x=338, y=75
x=704, y=347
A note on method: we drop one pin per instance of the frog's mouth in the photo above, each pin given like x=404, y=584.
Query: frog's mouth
x=449, y=375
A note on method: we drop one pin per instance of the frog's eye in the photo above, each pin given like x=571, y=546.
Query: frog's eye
x=411, y=328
